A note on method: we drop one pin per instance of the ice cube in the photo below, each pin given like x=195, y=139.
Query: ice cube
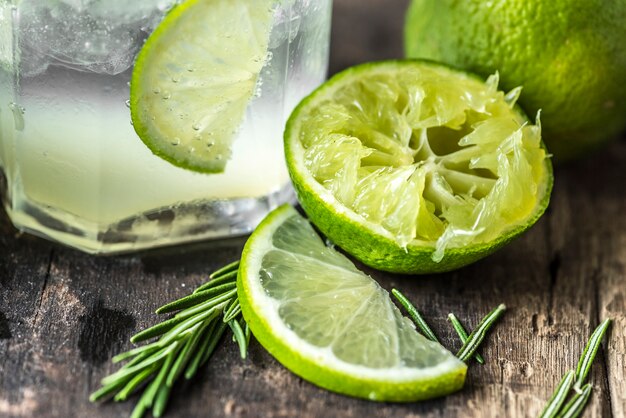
x=101, y=36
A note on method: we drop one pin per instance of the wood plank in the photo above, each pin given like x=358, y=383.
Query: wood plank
x=90, y=306
x=604, y=236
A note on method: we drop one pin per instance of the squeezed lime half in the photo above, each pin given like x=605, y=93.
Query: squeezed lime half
x=415, y=167
x=331, y=324
x=194, y=77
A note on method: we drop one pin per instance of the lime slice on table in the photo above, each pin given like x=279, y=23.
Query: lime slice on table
x=194, y=77
x=331, y=324
x=414, y=167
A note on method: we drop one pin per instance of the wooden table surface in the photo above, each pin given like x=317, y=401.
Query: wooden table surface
x=63, y=314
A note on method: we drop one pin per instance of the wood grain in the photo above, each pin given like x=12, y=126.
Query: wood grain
x=63, y=314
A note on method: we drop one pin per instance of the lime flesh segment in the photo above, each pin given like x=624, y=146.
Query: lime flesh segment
x=194, y=77
x=414, y=167
x=331, y=324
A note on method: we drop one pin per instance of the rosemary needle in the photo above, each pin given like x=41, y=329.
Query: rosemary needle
x=196, y=297
x=478, y=335
x=239, y=337
x=589, y=354
x=134, y=383
x=215, y=338
x=458, y=327
x=415, y=315
x=184, y=343
x=205, y=339
x=576, y=405
x=234, y=266
x=232, y=311
x=559, y=396
x=220, y=276
x=227, y=278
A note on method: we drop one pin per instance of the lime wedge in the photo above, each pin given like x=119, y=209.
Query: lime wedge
x=331, y=324
x=194, y=77
x=414, y=167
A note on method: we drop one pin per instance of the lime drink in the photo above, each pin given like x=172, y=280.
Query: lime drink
x=75, y=168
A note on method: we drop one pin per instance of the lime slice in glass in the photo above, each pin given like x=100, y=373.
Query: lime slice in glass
x=415, y=167
x=194, y=77
x=331, y=324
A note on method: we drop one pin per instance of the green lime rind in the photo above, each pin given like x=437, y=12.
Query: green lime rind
x=194, y=78
x=367, y=241
x=446, y=379
x=382, y=252
x=570, y=58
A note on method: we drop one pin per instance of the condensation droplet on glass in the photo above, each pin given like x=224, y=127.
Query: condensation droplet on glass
x=195, y=127
x=164, y=5
x=166, y=95
x=175, y=141
x=156, y=90
x=258, y=89
x=18, y=115
x=127, y=103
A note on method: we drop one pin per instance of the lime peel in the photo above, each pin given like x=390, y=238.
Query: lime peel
x=478, y=177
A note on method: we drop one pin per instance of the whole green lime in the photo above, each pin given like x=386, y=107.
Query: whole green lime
x=569, y=56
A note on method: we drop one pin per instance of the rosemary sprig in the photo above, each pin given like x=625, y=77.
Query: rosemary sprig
x=579, y=400
x=458, y=327
x=185, y=343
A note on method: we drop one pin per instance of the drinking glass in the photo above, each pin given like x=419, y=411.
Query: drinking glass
x=72, y=168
